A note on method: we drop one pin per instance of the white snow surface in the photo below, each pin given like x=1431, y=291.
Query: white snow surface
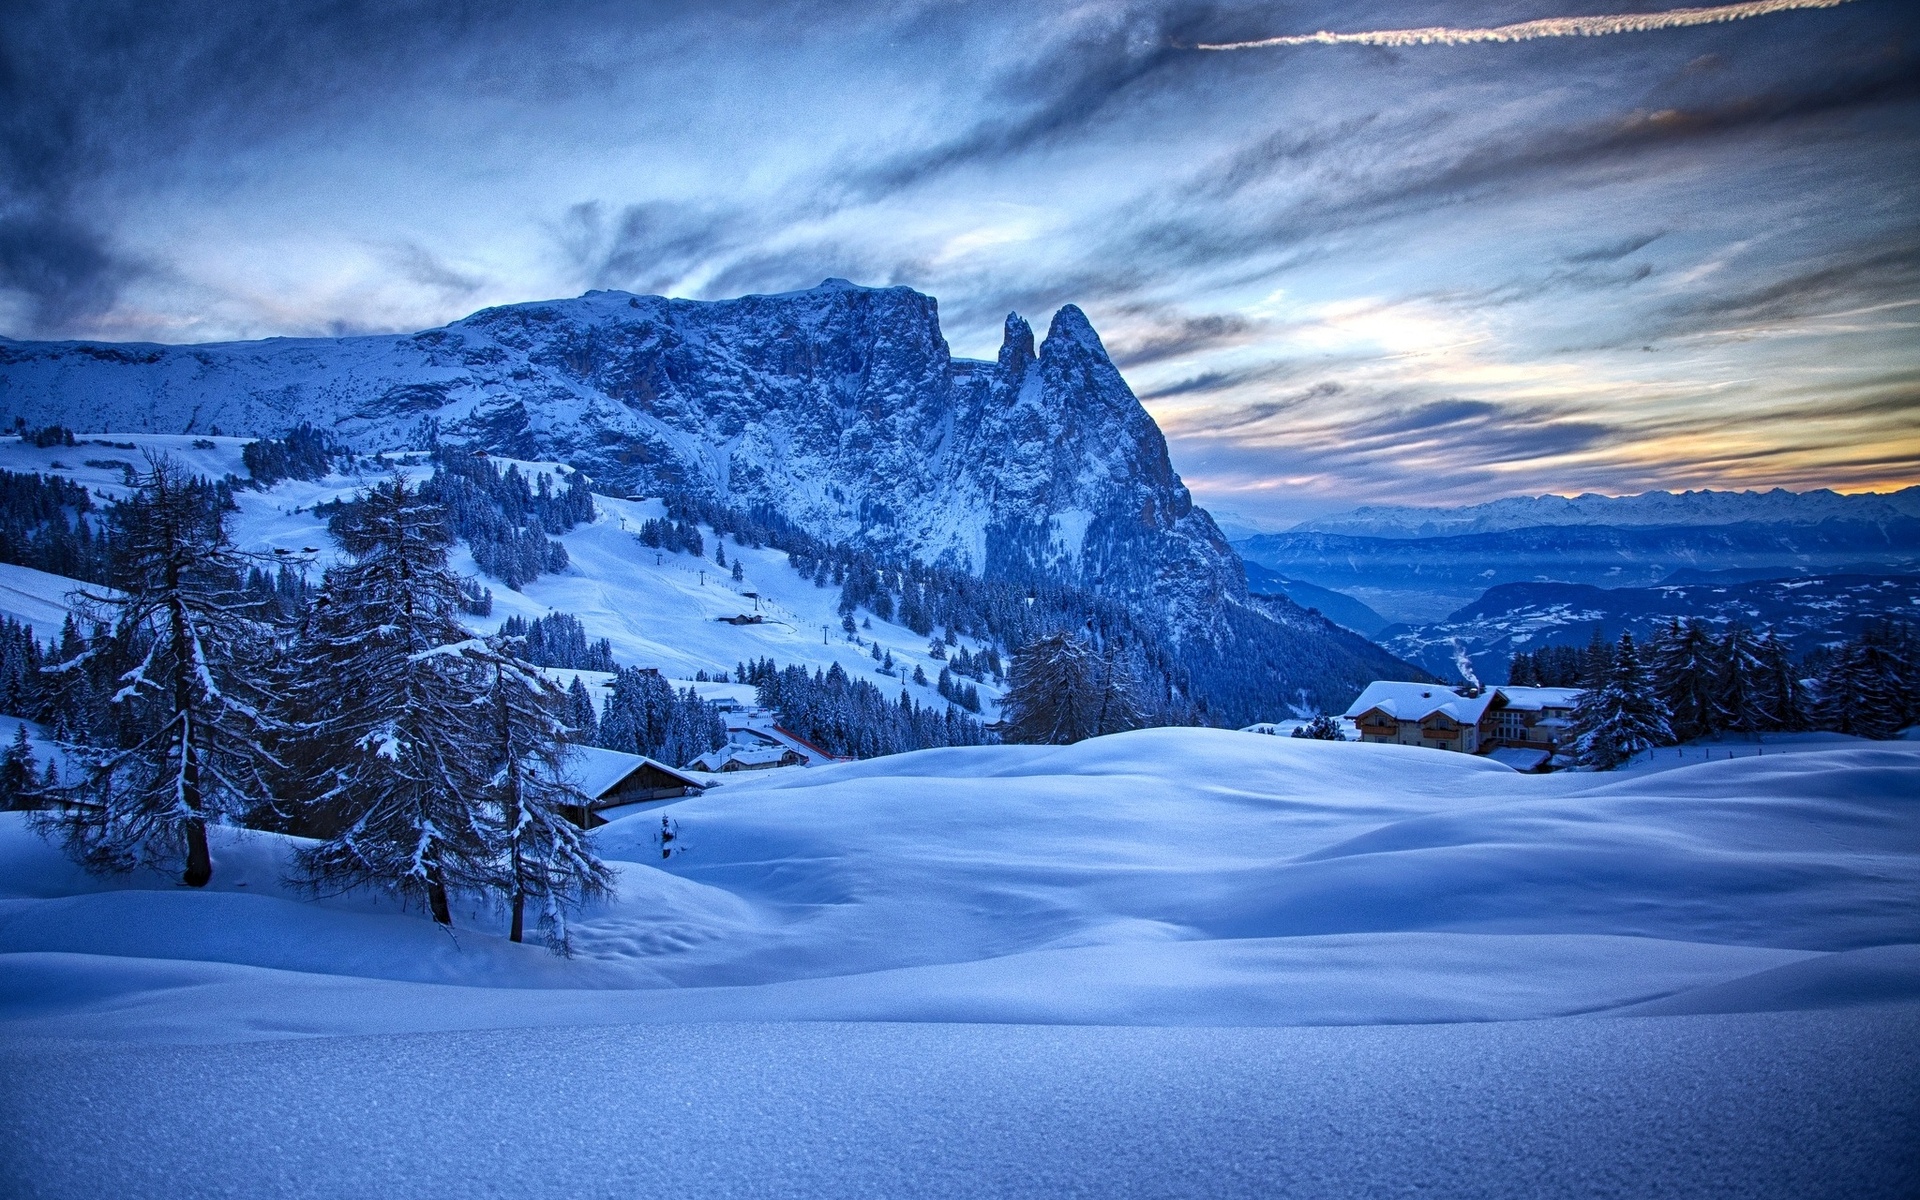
x=1166, y=963
x=1164, y=877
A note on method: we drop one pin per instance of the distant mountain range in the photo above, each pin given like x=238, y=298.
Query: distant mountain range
x=1806, y=612
x=838, y=411
x=1776, y=507
x=1423, y=577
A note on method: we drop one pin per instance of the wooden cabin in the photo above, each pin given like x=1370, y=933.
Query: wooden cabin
x=611, y=779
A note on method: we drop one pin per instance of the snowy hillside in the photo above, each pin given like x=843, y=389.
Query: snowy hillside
x=1183, y=877
x=659, y=609
x=1171, y=962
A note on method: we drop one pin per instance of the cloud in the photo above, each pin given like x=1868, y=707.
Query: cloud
x=1526, y=31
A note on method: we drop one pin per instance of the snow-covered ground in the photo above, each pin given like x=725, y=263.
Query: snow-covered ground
x=928, y=968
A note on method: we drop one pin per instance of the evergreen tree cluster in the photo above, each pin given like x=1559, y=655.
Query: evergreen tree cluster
x=1870, y=686
x=646, y=715
x=1692, y=683
x=1063, y=689
x=853, y=718
x=559, y=640
x=304, y=453
x=505, y=520
x=46, y=522
x=1549, y=666
x=47, y=436
x=673, y=536
x=419, y=759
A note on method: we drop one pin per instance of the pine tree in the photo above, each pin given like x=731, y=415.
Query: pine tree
x=548, y=859
x=1739, y=683
x=1322, y=728
x=1867, y=688
x=16, y=772
x=1520, y=671
x=1055, y=694
x=387, y=699
x=1684, y=671
x=1621, y=717
x=1779, y=693
x=582, y=724
x=1596, y=662
x=187, y=706
x=1117, y=708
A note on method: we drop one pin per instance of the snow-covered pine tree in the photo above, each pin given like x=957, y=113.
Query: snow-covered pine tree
x=188, y=706
x=1739, y=683
x=1620, y=718
x=1596, y=661
x=17, y=782
x=388, y=708
x=1054, y=694
x=1520, y=672
x=1322, y=728
x=1117, y=707
x=1867, y=688
x=548, y=859
x=583, y=725
x=1779, y=693
x=1683, y=665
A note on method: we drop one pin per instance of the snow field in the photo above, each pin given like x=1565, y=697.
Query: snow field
x=1789, y=1105
x=1163, y=877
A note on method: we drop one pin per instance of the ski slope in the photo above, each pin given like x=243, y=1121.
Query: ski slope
x=658, y=609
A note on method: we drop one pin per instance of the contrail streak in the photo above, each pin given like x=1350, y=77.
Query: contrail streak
x=1524, y=31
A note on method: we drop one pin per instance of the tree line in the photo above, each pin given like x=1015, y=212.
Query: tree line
x=1690, y=683
x=418, y=759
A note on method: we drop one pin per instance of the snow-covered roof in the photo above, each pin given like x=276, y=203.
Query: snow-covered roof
x=597, y=772
x=1520, y=758
x=1533, y=699
x=1418, y=701
x=757, y=756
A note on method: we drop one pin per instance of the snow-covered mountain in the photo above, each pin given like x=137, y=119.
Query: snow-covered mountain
x=1777, y=507
x=837, y=410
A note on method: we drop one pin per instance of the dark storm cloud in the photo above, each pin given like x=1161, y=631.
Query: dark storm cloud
x=92, y=91
x=1175, y=336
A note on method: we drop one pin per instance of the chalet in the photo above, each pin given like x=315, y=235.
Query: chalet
x=731, y=758
x=1520, y=726
x=1422, y=714
x=611, y=779
x=1535, y=718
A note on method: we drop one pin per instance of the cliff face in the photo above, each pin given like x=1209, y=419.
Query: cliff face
x=839, y=407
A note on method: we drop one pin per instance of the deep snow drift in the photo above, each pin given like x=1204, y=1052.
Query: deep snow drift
x=1173, y=962
x=1173, y=876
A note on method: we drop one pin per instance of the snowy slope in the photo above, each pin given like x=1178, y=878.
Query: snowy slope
x=659, y=609
x=1166, y=877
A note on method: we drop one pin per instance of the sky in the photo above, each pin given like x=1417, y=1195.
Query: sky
x=1349, y=271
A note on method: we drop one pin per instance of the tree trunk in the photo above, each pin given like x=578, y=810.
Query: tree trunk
x=519, y=916
x=437, y=896
x=199, y=861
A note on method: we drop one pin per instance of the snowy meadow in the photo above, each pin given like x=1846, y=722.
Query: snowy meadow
x=1159, y=963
